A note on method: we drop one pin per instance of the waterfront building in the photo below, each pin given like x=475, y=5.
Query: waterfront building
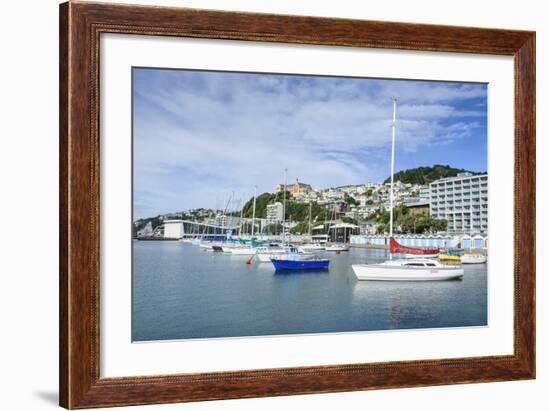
x=173, y=229
x=462, y=201
x=274, y=213
x=446, y=240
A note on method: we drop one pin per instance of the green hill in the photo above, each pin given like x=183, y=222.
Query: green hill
x=426, y=175
x=296, y=211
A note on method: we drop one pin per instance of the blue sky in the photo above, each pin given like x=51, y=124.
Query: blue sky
x=200, y=136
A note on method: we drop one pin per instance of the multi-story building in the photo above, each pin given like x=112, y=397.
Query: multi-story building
x=424, y=193
x=296, y=188
x=462, y=201
x=220, y=220
x=274, y=213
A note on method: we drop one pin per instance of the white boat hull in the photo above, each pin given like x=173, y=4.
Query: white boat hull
x=436, y=255
x=239, y=250
x=473, y=259
x=337, y=248
x=381, y=272
x=266, y=258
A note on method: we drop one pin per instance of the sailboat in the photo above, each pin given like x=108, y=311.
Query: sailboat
x=418, y=269
x=295, y=258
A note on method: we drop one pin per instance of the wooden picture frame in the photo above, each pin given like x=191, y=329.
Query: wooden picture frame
x=80, y=27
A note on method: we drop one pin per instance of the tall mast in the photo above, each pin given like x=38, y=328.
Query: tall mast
x=392, y=165
x=254, y=211
x=241, y=219
x=309, y=219
x=284, y=208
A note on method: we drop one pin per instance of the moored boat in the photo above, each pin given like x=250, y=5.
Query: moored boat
x=265, y=254
x=239, y=249
x=420, y=269
x=412, y=252
x=312, y=247
x=300, y=264
x=337, y=247
x=473, y=259
x=449, y=257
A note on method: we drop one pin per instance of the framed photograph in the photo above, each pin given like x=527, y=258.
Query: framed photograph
x=258, y=205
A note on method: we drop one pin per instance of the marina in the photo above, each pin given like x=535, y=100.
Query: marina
x=182, y=292
x=361, y=244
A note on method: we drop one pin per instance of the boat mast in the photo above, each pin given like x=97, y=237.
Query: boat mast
x=309, y=219
x=392, y=166
x=241, y=219
x=254, y=211
x=284, y=208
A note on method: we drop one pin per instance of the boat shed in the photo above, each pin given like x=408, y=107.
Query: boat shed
x=341, y=233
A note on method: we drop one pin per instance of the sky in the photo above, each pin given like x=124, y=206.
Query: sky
x=206, y=139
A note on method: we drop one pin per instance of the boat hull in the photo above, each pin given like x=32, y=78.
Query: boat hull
x=336, y=249
x=416, y=255
x=379, y=272
x=240, y=251
x=300, y=264
x=473, y=259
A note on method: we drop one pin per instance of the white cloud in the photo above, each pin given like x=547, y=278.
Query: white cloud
x=199, y=134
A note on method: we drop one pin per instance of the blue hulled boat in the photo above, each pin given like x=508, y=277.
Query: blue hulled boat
x=298, y=264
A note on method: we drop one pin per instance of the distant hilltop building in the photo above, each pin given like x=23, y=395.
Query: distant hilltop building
x=296, y=188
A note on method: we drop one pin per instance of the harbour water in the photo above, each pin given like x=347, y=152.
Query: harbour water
x=181, y=292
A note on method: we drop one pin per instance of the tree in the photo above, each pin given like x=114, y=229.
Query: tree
x=273, y=229
x=350, y=200
x=301, y=228
x=426, y=175
x=349, y=220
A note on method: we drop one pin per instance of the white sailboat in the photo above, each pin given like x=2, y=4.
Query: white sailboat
x=421, y=269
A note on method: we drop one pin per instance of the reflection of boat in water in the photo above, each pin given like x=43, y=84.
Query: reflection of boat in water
x=300, y=264
x=473, y=259
x=337, y=247
x=421, y=269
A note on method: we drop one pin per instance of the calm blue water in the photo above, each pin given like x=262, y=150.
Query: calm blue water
x=180, y=292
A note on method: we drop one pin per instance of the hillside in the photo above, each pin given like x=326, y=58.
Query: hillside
x=426, y=175
x=296, y=211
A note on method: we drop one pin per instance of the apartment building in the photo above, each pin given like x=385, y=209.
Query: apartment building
x=274, y=213
x=462, y=201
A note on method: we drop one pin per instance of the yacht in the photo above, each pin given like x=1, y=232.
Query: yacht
x=420, y=269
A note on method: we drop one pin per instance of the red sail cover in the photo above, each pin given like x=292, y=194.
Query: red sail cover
x=396, y=248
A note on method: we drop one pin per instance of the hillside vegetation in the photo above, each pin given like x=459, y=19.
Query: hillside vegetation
x=426, y=175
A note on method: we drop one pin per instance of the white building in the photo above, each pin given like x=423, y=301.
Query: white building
x=173, y=229
x=424, y=192
x=220, y=220
x=274, y=213
x=462, y=201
